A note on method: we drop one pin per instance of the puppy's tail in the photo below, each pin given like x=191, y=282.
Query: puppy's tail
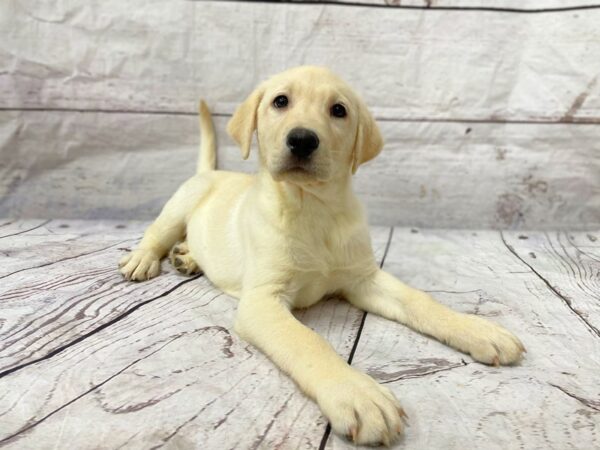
x=207, y=160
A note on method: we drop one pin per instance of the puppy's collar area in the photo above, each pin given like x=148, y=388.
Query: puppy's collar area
x=334, y=197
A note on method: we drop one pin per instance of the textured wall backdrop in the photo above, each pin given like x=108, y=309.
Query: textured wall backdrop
x=491, y=119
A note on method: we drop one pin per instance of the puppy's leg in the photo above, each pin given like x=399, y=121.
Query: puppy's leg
x=143, y=263
x=485, y=341
x=182, y=260
x=354, y=403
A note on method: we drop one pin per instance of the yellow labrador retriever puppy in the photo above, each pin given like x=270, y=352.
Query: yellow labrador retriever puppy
x=295, y=233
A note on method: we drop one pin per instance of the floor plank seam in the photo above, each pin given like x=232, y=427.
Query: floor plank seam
x=26, y=231
x=28, y=427
x=358, y=334
x=81, y=338
x=591, y=328
x=385, y=5
x=66, y=259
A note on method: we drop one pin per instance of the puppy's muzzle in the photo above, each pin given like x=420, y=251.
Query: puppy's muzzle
x=302, y=142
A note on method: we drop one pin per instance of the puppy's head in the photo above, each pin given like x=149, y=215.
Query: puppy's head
x=311, y=126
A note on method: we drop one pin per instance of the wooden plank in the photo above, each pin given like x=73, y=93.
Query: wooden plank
x=429, y=174
x=550, y=401
x=170, y=373
x=441, y=65
x=569, y=264
x=58, y=241
x=12, y=227
x=59, y=298
x=517, y=5
x=485, y=176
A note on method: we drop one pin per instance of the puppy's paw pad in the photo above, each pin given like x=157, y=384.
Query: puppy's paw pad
x=182, y=260
x=139, y=265
x=364, y=411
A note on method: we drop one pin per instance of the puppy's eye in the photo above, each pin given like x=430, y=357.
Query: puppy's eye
x=338, y=110
x=281, y=101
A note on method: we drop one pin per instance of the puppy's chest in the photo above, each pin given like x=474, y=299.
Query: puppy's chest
x=328, y=251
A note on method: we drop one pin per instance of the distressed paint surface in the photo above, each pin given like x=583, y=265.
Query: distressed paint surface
x=552, y=399
x=117, y=356
x=483, y=114
x=443, y=65
x=429, y=174
x=101, y=125
x=526, y=5
x=156, y=364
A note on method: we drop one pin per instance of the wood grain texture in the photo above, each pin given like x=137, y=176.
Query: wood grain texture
x=170, y=373
x=569, y=264
x=430, y=174
x=442, y=65
x=165, y=371
x=523, y=5
x=463, y=104
x=43, y=243
x=550, y=401
x=13, y=227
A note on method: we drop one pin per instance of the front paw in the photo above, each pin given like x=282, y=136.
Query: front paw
x=140, y=265
x=489, y=343
x=360, y=408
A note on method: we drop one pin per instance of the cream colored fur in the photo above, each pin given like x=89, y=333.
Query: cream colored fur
x=286, y=238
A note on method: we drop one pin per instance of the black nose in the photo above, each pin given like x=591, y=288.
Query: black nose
x=302, y=142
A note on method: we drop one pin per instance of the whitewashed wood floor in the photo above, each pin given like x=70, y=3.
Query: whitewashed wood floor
x=90, y=361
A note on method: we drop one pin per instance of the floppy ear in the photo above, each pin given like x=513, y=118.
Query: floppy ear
x=368, y=139
x=243, y=123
